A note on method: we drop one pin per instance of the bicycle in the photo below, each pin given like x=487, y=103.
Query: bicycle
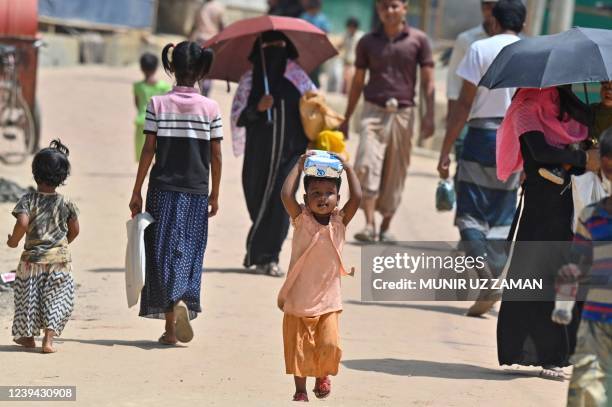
x=17, y=126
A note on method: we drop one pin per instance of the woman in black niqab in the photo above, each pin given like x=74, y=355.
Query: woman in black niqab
x=272, y=148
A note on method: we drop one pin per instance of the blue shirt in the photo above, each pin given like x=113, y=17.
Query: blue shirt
x=318, y=20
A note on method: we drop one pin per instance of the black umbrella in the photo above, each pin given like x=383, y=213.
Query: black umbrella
x=578, y=55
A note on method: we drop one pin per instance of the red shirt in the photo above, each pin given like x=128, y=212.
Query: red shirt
x=393, y=64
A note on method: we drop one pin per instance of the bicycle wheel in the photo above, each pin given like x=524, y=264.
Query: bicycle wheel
x=17, y=129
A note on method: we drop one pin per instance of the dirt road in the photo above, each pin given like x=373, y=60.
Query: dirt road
x=421, y=354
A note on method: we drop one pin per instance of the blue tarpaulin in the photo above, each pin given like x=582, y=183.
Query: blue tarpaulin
x=124, y=13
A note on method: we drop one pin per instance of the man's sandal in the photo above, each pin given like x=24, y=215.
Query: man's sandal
x=367, y=235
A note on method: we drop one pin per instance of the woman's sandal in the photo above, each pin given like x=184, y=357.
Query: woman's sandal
x=164, y=340
x=184, y=331
x=322, y=387
x=299, y=396
x=553, y=373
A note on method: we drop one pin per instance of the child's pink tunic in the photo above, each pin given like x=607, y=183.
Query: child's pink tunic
x=312, y=286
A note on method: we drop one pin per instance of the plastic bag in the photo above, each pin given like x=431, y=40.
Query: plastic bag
x=445, y=195
x=332, y=141
x=586, y=189
x=135, y=258
x=317, y=116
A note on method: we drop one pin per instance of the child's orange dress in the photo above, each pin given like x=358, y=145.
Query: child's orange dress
x=311, y=297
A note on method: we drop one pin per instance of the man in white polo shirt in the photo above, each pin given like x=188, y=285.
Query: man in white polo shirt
x=461, y=47
x=485, y=205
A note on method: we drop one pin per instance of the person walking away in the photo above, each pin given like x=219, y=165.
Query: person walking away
x=602, y=111
x=310, y=298
x=270, y=149
x=143, y=91
x=391, y=55
x=184, y=132
x=462, y=45
x=207, y=23
x=313, y=14
x=44, y=286
x=347, y=49
x=286, y=8
x=485, y=205
x=539, y=128
x=591, y=382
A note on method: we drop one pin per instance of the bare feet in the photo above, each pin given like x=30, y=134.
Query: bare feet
x=25, y=341
x=47, y=344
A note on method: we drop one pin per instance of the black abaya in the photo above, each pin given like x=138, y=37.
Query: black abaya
x=271, y=151
x=526, y=334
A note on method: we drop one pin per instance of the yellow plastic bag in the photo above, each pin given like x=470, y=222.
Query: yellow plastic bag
x=332, y=141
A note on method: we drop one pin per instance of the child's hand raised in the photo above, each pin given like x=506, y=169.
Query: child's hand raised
x=303, y=158
x=10, y=242
x=569, y=273
x=342, y=159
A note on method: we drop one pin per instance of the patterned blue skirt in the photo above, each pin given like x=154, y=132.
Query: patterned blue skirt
x=174, y=246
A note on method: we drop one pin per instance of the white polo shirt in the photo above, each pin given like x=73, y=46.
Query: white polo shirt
x=462, y=45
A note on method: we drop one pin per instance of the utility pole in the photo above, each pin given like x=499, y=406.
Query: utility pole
x=561, y=15
x=535, y=16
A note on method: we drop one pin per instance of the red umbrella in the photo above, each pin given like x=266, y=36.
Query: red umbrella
x=233, y=45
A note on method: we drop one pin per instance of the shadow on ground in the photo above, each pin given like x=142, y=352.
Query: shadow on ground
x=141, y=344
x=446, y=309
x=17, y=348
x=107, y=270
x=425, y=368
x=235, y=271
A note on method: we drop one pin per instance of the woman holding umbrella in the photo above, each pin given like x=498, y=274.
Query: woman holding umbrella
x=538, y=127
x=544, y=119
x=266, y=104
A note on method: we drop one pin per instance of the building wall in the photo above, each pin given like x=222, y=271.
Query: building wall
x=337, y=11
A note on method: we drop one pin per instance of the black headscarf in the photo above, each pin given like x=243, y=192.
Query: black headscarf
x=571, y=105
x=276, y=63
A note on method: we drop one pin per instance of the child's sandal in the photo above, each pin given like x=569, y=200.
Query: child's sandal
x=322, y=387
x=299, y=396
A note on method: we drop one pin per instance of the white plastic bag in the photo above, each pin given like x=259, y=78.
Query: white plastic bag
x=586, y=189
x=135, y=259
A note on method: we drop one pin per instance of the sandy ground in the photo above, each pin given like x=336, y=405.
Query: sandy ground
x=421, y=354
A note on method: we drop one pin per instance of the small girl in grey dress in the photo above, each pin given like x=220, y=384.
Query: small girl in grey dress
x=44, y=288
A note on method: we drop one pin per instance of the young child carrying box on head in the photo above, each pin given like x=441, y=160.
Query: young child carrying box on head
x=311, y=298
